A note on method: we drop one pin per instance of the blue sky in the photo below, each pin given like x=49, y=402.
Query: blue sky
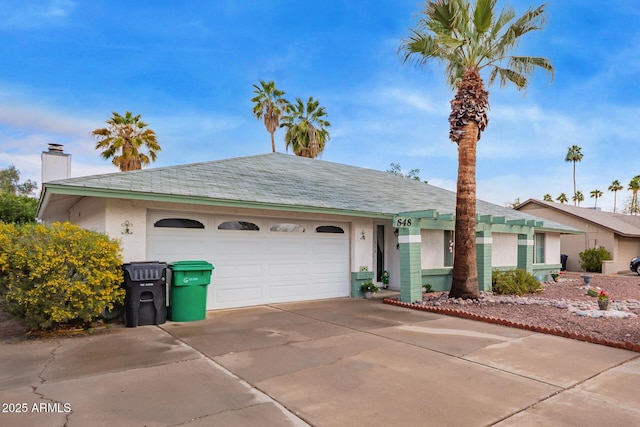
x=188, y=68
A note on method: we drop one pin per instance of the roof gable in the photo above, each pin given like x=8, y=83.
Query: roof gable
x=626, y=225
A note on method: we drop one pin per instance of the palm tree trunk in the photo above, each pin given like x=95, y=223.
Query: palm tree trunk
x=575, y=200
x=465, y=272
x=273, y=143
x=614, y=201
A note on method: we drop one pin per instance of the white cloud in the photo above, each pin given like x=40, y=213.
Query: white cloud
x=34, y=14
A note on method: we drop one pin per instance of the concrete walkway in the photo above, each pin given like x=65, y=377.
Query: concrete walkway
x=341, y=362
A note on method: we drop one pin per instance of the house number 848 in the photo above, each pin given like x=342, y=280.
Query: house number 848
x=403, y=222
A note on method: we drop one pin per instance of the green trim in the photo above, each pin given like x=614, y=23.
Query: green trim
x=439, y=278
x=505, y=268
x=437, y=271
x=484, y=260
x=410, y=266
x=363, y=275
x=357, y=279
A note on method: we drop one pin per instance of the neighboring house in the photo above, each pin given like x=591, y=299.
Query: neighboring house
x=281, y=228
x=618, y=233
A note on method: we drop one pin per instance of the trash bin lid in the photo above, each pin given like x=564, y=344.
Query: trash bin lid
x=191, y=265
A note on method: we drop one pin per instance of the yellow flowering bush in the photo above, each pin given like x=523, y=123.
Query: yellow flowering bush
x=59, y=273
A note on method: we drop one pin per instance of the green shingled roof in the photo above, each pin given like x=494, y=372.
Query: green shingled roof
x=281, y=180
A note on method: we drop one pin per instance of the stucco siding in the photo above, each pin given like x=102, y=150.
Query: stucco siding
x=504, y=251
x=572, y=244
x=89, y=213
x=552, y=248
x=628, y=248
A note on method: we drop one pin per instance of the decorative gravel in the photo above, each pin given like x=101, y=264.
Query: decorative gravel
x=562, y=308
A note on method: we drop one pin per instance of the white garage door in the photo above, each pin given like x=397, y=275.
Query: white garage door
x=256, y=260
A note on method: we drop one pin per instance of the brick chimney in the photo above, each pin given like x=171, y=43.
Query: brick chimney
x=55, y=163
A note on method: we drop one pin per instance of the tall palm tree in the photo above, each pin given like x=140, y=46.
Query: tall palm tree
x=595, y=193
x=577, y=198
x=467, y=39
x=634, y=186
x=615, y=187
x=547, y=198
x=123, y=141
x=269, y=105
x=574, y=155
x=306, y=128
x=562, y=198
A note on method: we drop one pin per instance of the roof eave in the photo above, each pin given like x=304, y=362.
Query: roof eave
x=53, y=189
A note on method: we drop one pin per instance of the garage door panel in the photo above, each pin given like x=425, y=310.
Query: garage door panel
x=165, y=247
x=229, y=248
x=235, y=297
x=243, y=271
x=286, y=269
x=288, y=247
x=288, y=290
x=338, y=248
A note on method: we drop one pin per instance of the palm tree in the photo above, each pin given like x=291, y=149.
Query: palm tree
x=562, y=198
x=615, y=187
x=269, y=105
x=306, y=133
x=123, y=139
x=634, y=186
x=574, y=155
x=467, y=41
x=577, y=198
x=595, y=193
x=547, y=198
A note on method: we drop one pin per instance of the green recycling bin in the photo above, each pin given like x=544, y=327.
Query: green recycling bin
x=188, y=294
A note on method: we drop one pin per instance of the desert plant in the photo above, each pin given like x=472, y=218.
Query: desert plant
x=591, y=259
x=369, y=287
x=514, y=282
x=427, y=287
x=58, y=274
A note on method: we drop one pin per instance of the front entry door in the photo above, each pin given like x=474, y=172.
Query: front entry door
x=379, y=252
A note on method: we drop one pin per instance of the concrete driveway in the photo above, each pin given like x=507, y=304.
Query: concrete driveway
x=341, y=362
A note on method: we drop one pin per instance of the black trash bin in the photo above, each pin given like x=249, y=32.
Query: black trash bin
x=145, y=301
x=563, y=261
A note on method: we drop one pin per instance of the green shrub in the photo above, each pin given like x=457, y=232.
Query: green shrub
x=591, y=259
x=18, y=209
x=514, y=282
x=58, y=274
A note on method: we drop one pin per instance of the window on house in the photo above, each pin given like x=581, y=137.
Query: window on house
x=448, y=248
x=287, y=228
x=178, y=223
x=538, y=248
x=329, y=229
x=238, y=225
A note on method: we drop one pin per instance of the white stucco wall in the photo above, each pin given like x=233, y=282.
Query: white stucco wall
x=432, y=248
x=362, y=250
x=552, y=248
x=504, y=250
x=89, y=213
x=134, y=244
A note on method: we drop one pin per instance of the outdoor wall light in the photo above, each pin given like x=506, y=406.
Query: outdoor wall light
x=127, y=225
x=362, y=235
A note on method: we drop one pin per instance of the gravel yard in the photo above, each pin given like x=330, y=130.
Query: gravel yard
x=563, y=308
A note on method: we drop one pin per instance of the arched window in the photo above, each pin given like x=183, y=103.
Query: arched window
x=178, y=223
x=238, y=225
x=329, y=229
x=287, y=228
